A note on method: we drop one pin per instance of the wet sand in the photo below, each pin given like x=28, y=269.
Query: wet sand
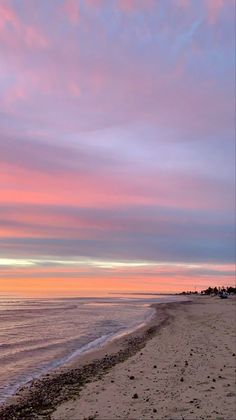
x=181, y=366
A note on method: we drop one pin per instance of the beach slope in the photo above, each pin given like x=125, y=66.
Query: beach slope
x=186, y=371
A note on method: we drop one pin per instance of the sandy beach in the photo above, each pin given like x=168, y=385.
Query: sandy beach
x=186, y=372
x=181, y=366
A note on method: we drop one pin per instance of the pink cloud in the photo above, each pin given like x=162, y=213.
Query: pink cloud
x=16, y=34
x=71, y=8
x=115, y=86
x=14, y=95
x=34, y=38
x=214, y=8
x=126, y=5
x=106, y=188
x=74, y=89
x=8, y=16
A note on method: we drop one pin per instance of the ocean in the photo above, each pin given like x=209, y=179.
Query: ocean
x=39, y=334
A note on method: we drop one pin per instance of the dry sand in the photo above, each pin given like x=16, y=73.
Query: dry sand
x=186, y=371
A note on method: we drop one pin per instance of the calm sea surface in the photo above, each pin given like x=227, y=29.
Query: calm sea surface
x=37, y=335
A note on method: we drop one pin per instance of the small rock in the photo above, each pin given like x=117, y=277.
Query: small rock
x=131, y=377
x=230, y=394
x=135, y=396
x=154, y=410
x=155, y=366
x=182, y=379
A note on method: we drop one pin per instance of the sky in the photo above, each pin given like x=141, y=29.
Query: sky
x=117, y=145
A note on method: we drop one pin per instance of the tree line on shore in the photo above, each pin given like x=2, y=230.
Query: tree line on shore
x=213, y=291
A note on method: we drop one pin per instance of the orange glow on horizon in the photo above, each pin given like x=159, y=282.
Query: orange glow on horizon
x=68, y=286
x=70, y=276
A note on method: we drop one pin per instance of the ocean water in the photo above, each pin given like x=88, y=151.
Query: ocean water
x=37, y=335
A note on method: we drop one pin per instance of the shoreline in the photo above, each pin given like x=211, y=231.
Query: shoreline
x=74, y=359
x=182, y=365
x=187, y=371
x=41, y=396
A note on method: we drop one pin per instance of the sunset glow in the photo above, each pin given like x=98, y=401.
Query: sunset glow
x=117, y=147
